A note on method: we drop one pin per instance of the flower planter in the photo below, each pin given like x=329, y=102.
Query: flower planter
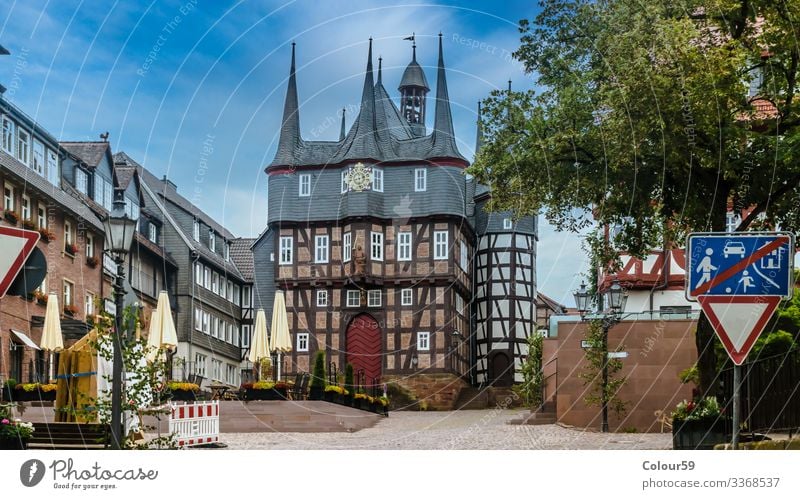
x=316, y=393
x=182, y=395
x=268, y=394
x=28, y=396
x=13, y=443
x=347, y=400
x=698, y=435
x=329, y=396
x=11, y=217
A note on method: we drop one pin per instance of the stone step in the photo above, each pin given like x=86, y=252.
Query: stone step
x=472, y=398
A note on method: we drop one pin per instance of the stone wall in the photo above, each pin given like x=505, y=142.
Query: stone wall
x=439, y=391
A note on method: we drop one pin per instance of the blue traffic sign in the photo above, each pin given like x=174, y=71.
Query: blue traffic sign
x=740, y=264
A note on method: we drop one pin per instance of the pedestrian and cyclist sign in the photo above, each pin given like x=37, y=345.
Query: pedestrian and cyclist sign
x=739, y=280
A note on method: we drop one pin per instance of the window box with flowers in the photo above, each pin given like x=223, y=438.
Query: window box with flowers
x=70, y=310
x=29, y=225
x=46, y=235
x=40, y=297
x=14, y=434
x=32, y=392
x=11, y=216
x=92, y=262
x=699, y=424
x=182, y=391
x=265, y=390
x=335, y=394
x=71, y=249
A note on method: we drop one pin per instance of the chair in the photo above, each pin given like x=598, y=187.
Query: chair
x=300, y=389
x=662, y=418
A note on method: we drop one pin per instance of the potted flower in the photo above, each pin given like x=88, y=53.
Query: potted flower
x=40, y=297
x=47, y=391
x=380, y=405
x=335, y=394
x=92, y=261
x=281, y=390
x=46, y=235
x=14, y=434
x=29, y=224
x=182, y=391
x=698, y=424
x=361, y=401
x=11, y=216
x=70, y=310
x=71, y=248
x=8, y=388
x=260, y=390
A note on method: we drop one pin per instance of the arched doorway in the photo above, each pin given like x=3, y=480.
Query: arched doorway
x=501, y=372
x=364, y=346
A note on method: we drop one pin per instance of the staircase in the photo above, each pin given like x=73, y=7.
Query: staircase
x=546, y=414
x=486, y=397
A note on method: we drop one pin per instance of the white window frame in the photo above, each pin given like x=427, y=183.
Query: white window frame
x=152, y=232
x=196, y=230
x=423, y=341
x=347, y=246
x=89, y=245
x=286, y=250
x=198, y=319
x=377, y=179
x=507, y=224
x=322, y=297
x=206, y=322
x=8, y=197
x=212, y=240
x=353, y=294
x=41, y=216
x=198, y=274
x=246, y=294
x=37, y=160
x=215, y=283
x=67, y=232
x=25, y=207
x=345, y=187
x=420, y=179
x=404, y=246
x=376, y=246
x=302, y=342
x=223, y=287
x=321, y=246
x=200, y=362
x=88, y=304
x=68, y=292
x=440, y=242
x=206, y=277
x=374, y=298
x=53, y=173
x=23, y=145
x=246, y=332
x=82, y=181
x=464, y=257
x=304, y=185
x=8, y=135
x=406, y=297
x=227, y=251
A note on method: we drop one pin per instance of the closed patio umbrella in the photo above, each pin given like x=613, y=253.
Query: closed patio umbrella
x=259, y=346
x=162, y=328
x=52, y=340
x=280, y=341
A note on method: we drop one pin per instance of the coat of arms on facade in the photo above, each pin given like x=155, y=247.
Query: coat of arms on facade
x=359, y=178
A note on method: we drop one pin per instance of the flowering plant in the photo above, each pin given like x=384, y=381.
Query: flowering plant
x=281, y=385
x=188, y=387
x=71, y=248
x=15, y=429
x=11, y=216
x=363, y=396
x=28, y=387
x=336, y=389
x=48, y=387
x=92, y=261
x=29, y=224
x=70, y=309
x=384, y=401
x=46, y=234
x=702, y=409
x=263, y=385
x=246, y=386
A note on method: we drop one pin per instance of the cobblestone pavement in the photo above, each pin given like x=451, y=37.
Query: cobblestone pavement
x=485, y=429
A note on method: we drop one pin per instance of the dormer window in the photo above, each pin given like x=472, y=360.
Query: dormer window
x=212, y=240
x=152, y=232
x=420, y=179
x=196, y=230
x=228, y=251
x=305, y=185
x=23, y=145
x=377, y=180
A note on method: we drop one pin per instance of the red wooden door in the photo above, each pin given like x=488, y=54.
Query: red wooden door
x=365, y=346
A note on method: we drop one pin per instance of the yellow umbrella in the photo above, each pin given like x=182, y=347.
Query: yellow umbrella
x=259, y=346
x=280, y=341
x=162, y=328
x=52, y=340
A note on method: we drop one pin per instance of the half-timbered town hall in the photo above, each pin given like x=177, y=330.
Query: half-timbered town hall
x=384, y=249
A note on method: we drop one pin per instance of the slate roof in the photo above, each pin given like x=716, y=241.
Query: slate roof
x=242, y=256
x=74, y=205
x=90, y=153
x=414, y=76
x=378, y=132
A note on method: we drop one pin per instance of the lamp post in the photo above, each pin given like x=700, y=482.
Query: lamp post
x=456, y=339
x=119, y=230
x=616, y=301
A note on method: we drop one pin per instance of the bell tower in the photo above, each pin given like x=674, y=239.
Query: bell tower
x=413, y=89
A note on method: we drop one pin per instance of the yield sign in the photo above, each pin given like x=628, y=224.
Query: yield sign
x=15, y=247
x=738, y=320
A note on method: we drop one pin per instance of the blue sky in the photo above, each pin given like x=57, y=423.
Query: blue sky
x=164, y=77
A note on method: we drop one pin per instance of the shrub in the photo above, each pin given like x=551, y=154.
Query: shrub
x=348, y=377
x=318, y=375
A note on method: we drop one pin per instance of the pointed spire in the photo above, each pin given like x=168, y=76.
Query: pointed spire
x=341, y=132
x=290, y=125
x=413, y=49
x=444, y=144
x=479, y=133
x=380, y=68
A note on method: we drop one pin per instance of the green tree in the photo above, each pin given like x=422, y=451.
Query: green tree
x=530, y=390
x=348, y=378
x=318, y=374
x=642, y=120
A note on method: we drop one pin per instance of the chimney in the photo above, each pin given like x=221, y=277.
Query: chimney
x=169, y=183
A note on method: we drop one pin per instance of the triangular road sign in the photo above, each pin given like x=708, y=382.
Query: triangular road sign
x=738, y=320
x=15, y=247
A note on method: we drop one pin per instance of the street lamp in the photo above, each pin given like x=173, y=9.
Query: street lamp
x=456, y=339
x=617, y=297
x=119, y=230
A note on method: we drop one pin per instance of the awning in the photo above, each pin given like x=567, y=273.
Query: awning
x=23, y=338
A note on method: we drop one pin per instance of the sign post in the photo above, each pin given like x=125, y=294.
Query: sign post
x=739, y=279
x=15, y=247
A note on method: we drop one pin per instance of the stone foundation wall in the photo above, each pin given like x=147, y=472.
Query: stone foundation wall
x=439, y=391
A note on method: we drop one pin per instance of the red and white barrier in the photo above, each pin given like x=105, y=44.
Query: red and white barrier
x=195, y=423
